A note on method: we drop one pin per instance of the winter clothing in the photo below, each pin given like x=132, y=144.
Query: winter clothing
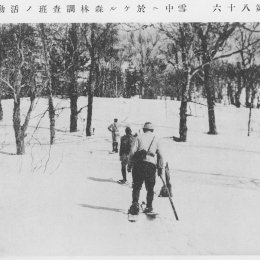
x=143, y=142
x=148, y=210
x=145, y=170
x=125, y=147
x=134, y=209
x=113, y=128
x=148, y=126
x=122, y=181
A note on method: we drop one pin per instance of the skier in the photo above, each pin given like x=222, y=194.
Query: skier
x=113, y=128
x=124, y=151
x=143, y=162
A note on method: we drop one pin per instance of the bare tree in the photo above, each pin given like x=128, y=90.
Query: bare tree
x=253, y=84
x=239, y=85
x=247, y=41
x=141, y=50
x=198, y=45
x=181, y=54
x=74, y=60
x=2, y=57
x=98, y=39
x=47, y=45
x=18, y=43
x=213, y=37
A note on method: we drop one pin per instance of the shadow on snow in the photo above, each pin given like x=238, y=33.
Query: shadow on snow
x=101, y=180
x=102, y=208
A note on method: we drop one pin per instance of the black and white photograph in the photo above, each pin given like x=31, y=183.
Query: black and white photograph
x=129, y=139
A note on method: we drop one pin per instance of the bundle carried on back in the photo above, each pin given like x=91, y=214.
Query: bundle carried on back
x=163, y=192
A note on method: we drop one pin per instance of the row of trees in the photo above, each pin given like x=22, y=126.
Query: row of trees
x=194, y=48
x=178, y=59
x=37, y=59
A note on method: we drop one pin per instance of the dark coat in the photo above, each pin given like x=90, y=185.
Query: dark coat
x=125, y=144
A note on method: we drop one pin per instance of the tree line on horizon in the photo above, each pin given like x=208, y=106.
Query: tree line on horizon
x=183, y=61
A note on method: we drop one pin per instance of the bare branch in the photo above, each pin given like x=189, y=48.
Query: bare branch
x=11, y=87
x=249, y=29
x=37, y=126
x=222, y=56
x=79, y=111
x=48, y=159
x=27, y=118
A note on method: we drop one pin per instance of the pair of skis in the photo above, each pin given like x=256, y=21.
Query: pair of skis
x=134, y=218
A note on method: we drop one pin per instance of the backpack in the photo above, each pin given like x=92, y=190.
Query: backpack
x=141, y=154
x=126, y=144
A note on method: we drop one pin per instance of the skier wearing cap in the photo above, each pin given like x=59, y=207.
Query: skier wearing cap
x=113, y=128
x=124, y=151
x=144, y=169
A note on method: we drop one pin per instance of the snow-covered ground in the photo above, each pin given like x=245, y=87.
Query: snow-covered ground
x=64, y=199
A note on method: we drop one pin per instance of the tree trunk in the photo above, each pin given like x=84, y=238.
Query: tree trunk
x=103, y=82
x=1, y=110
x=50, y=83
x=73, y=95
x=183, y=129
x=248, y=103
x=231, y=94
x=183, y=121
x=210, y=101
x=90, y=98
x=89, y=117
x=116, y=85
x=237, y=97
x=20, y=147
x=73, y=113
x=249, y=121
x=142, y=83
x=208, y=87
x=52, y=119
x=250, y=113
x=104, y=90
x=239, y=89
x=19, y=135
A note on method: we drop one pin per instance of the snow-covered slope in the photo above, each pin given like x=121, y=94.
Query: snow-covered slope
x=64, y=199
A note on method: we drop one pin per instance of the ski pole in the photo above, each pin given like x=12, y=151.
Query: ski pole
x=169, y=196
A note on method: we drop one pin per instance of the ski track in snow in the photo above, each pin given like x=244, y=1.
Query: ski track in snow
x=66, y=200
x=218, y=179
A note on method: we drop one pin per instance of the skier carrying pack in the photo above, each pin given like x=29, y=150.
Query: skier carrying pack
x=124, y=151
x=113, y=128
x=145, y=157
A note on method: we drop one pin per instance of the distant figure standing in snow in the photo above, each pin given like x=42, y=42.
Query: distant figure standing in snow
x=124, y=151
x=145, y=156
x=113, y=128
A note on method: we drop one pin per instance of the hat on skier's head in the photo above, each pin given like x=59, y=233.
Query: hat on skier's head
x=148, y=126
x=115, y=120
x=128, y=130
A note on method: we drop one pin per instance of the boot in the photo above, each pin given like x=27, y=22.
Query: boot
x=123, y=170
x=149, y=199
x=116, y=147
x=113, y=147
x=122, y=181
x=134, y=209
x=148, y=210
